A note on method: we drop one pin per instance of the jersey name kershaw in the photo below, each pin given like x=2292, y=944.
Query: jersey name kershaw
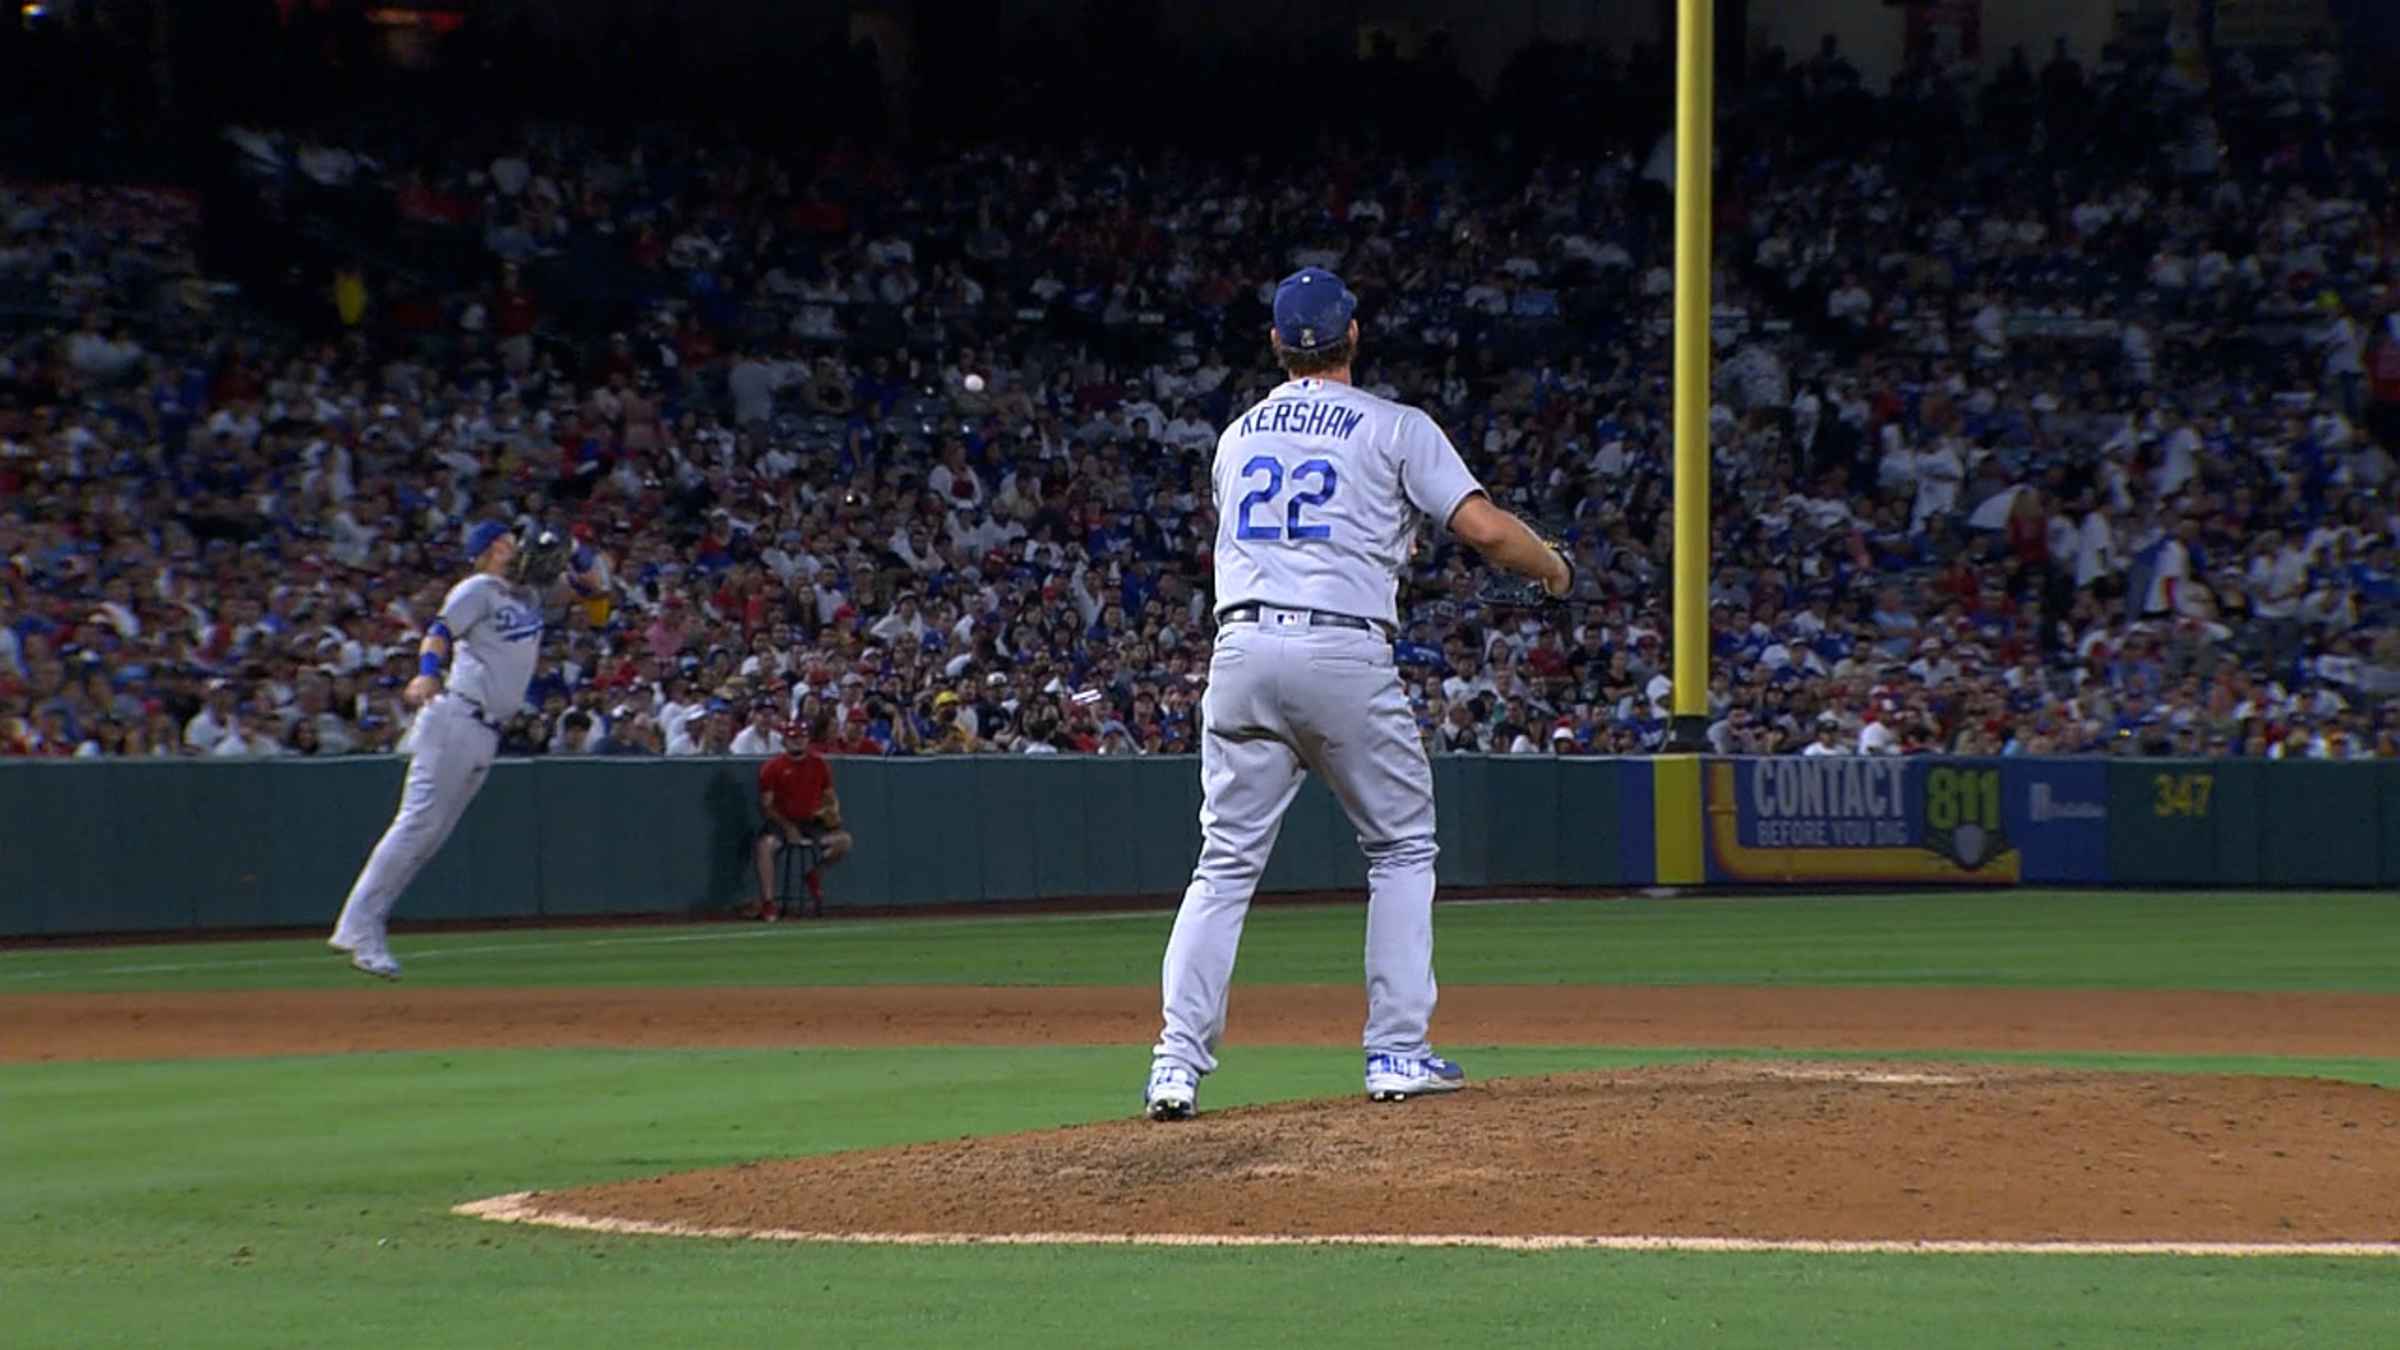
x=1301, y=419
x=1318, y=490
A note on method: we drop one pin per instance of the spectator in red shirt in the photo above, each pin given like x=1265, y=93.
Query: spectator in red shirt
x=514, y=313
x=695, y=346
x=858, y=742
x=1547, y=658
x=2383, y=382
x=2029, y=529
x=1961, y=580
x=513, y=307
x=795, y=793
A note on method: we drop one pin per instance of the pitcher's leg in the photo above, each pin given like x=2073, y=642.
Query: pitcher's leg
x=1365, y=745
x=1401, y=990
x=1247, y=786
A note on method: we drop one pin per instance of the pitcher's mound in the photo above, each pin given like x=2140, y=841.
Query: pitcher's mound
x=1742, y=1150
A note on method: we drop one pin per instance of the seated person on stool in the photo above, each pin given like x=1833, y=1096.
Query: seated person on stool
x=795, y=792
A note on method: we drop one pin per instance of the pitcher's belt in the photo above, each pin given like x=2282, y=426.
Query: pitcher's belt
x=1317, y=618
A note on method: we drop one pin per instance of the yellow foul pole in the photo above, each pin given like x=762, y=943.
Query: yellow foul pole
x=1695, y=97
x=1678, y=795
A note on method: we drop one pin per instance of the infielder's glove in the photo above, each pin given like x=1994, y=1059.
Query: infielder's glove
x=541, y=559
x=1500, y=588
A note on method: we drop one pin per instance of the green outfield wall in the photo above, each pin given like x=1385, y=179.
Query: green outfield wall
x=129, y=846
x=99, y=846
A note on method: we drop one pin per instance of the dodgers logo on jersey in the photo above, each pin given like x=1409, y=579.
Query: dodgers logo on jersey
x=516, y=624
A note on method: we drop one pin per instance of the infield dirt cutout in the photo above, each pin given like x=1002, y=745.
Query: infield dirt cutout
x=1723, y=1154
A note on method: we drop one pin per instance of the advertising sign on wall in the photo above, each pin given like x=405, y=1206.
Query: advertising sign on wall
x=1853, y=818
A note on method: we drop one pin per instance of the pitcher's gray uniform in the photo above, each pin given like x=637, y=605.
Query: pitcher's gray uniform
x=495, y=633
x=1319, y=489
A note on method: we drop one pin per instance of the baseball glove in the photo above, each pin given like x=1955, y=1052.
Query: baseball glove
x=1501, y=588
x=541, y=558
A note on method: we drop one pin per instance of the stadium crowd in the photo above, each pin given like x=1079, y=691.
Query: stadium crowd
x=2079, y=442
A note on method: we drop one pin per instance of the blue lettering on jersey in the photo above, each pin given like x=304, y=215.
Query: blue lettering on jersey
x=1328, y=482
x=1244, y=527
x=516, y=624
x=1294, y=418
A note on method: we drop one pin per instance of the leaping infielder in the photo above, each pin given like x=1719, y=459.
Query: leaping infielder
x=490, y=634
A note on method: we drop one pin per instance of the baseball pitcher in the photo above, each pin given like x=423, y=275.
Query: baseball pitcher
x=489, y=634
x=1319, y=489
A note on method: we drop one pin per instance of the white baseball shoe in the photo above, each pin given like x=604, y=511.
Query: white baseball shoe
x=1173, y=1093
x=373, y=958
x=1396, y=1078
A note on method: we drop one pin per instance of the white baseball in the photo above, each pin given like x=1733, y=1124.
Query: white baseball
x=974, y=384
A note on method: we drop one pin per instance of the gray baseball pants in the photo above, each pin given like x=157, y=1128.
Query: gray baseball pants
x=452, y=753
x=1286, y=696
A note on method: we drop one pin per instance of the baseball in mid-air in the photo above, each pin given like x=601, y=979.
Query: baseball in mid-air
x=974, y=383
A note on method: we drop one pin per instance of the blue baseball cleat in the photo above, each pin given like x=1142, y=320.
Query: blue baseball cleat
x=1396, y=1078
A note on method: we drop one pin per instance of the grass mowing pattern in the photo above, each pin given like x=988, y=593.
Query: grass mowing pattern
x=2299, y=941
x=300, y=1201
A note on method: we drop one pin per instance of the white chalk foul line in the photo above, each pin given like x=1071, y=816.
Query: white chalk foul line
x=518, y=1207
x=811, y=930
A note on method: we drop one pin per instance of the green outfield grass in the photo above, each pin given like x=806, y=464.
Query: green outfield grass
x=303, y=1201
x=2091, y=939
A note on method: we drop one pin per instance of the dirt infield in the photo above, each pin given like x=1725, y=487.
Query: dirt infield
x=407, y=1017
x=1772, y=1150
x=1730, y=1150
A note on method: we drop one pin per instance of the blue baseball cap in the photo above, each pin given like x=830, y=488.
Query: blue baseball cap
x=483, y=536
x=1312, y=309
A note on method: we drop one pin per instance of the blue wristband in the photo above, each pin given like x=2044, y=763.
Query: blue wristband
x=429, y=664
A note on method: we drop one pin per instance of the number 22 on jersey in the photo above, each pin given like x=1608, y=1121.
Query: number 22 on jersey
x=1268, y=472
